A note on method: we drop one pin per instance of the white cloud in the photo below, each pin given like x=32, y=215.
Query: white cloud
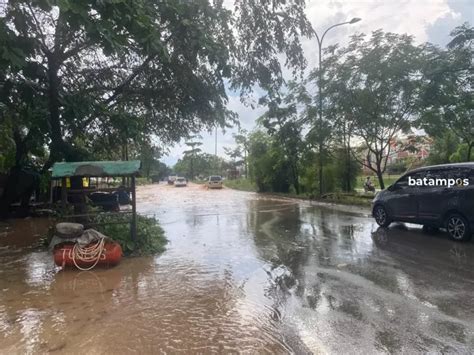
x=400, y=16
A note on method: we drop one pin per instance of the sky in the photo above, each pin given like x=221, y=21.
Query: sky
x=427, y=20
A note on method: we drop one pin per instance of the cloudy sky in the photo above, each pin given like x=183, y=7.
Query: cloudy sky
x=427, y=20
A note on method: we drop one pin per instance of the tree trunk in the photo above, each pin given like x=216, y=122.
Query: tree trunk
x=349, y=187
x=380, y=177
x=245, y=163
x=469, y=150
x=58, y=147
x=296, y=182
x=321, y=189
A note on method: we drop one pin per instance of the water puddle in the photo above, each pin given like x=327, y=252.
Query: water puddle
x=242, y=273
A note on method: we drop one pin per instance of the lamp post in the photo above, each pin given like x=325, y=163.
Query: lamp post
x=215, y=146
x=320, y=94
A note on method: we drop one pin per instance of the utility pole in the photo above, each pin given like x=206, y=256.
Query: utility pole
x=215, y=148
x=320, y=94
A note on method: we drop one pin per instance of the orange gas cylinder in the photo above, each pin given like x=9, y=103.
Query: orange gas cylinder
x=110, y=256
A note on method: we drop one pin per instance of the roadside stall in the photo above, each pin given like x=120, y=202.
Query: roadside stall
x=88, y=190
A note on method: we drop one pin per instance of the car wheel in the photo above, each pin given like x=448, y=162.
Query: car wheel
x=381, y=216
x=458, y=228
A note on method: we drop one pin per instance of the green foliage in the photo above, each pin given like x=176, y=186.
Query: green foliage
x=203, y=164
x=349, y=199
x=150, y=236
x=235, y=155
x=447, y=102
x=7, y=145
x=444, y=146
x=191, y=155
x=330, y=181
x=398, y=167
x=375, y=83
x=242, y=141
x=282, y=126
x=460, y=155
x=87, y=78
x=264, y=29
x=268, y=165
x=346, y=170
x=160, y=170
x=149, y=156
x=241, y=184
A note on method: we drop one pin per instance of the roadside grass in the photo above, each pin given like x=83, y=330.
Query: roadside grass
x=353, y=199
x=241, y=184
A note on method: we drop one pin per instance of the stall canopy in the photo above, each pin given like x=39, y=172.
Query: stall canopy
x=96, y=169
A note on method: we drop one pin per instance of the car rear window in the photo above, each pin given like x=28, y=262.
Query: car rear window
x=215, y=178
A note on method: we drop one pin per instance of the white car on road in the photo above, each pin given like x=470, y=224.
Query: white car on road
x=214, y=182
x=180, y=182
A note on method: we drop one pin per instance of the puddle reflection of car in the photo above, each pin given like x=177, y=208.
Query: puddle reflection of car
x=180, y=182
x=434, y=205
x=214, y=182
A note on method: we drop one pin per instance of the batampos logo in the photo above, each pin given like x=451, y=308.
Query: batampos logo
x=438, y=182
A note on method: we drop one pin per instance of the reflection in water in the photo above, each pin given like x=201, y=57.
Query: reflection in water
x=245, y=273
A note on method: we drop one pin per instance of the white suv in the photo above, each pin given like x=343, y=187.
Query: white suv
x=215, y=182
x=180, y=182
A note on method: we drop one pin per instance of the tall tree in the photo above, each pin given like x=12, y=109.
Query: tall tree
x=204, y=164
x=242, y=141
x=341, y=125
x=78, y=71
x=236, y=159
x=191, y=154
x=447, y=101
x=382, y=91
x=281, y=122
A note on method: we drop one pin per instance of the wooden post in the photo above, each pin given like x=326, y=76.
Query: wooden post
x=134, y=210
x=63, y=193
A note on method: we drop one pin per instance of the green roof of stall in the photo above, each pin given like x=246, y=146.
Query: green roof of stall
x=96, y=168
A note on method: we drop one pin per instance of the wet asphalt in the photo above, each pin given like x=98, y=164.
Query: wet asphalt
x=337, y=282
x=245, y=273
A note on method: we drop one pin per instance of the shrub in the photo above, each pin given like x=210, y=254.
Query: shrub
x=150, y=236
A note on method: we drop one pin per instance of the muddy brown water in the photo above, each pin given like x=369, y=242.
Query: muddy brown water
x=243, y=274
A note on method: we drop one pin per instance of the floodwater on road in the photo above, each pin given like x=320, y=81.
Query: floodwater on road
x=244, y=273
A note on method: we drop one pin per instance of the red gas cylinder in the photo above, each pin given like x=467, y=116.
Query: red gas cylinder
x=110, y=256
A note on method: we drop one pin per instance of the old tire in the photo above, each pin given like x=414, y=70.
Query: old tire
x=458, y=227
x=381, y=216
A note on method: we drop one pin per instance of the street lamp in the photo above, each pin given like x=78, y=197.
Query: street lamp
x=320, y=80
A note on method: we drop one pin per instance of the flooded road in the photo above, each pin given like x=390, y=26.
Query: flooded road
x=245, y=273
